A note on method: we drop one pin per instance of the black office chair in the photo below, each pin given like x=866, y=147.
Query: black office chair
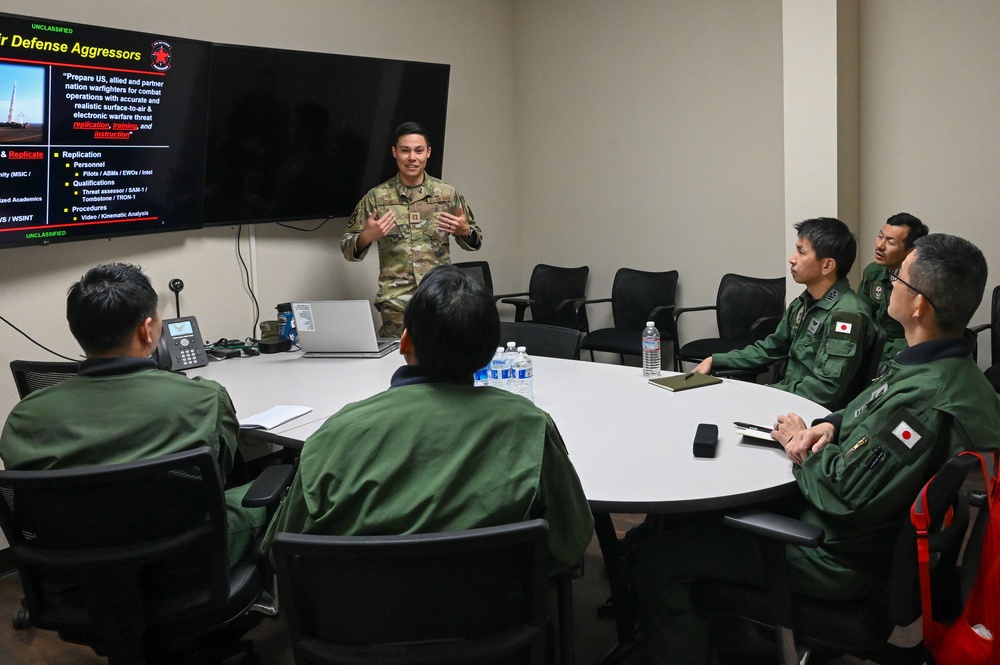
x=637, y=296
x=475, y=596
x=993, y=371
x=131, y=559
x=542, y=340
x=550, y=296
x=479, y=271
x=860, y=628
x=746, y=309
x=32, y=375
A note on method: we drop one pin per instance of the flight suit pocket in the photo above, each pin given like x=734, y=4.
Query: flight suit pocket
x=834, y=355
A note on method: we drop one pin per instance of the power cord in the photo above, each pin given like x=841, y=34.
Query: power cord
x=38, y=344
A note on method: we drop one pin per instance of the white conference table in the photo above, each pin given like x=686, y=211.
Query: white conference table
x=630, y=442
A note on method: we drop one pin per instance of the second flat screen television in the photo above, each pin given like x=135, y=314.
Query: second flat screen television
x=296, y=135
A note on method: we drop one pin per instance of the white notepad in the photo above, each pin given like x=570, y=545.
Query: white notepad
x=274, y=417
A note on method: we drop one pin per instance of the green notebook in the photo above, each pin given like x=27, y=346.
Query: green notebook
x=685, y=381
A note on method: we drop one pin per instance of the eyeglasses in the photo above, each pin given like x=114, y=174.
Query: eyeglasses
x=894, y=276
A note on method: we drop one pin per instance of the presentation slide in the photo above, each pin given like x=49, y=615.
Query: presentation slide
x=102, y=131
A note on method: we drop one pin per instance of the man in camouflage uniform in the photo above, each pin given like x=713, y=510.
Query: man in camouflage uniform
x=858, y=470
x=825, y=332
x=894, y=243
x=411, y=218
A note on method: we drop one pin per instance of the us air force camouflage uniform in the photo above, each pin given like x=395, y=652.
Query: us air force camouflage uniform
x=413, y=247
x=874, y=291
x=824, y=341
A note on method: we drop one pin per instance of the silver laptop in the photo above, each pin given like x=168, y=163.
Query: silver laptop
x=339, y=329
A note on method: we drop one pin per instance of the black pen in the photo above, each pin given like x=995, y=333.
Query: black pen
x=688, y=376
x=755, y=428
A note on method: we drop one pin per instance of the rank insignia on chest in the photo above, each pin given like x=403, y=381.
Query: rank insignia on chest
x=878, y=292
x=813, y=326
x=414, y=217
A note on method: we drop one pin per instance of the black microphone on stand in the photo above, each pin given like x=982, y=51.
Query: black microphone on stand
x=176, y=285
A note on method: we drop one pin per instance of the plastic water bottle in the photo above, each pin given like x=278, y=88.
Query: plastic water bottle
x=650, y=350
x=523, y=382
x=482, y=377
x=500, y=370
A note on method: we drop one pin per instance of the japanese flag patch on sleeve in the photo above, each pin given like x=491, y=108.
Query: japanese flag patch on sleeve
x=906, y=434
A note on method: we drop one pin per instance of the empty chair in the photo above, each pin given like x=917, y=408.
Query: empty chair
x=32, y=375
x=132, y=559
x=993, y=371
x=480, y=271
x=460, y=597
x=542, y=340
x=550, y=296
x=746, y=309
x=637, y=296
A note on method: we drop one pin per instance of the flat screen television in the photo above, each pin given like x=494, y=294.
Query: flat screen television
x=296, y=135
x=102, y=131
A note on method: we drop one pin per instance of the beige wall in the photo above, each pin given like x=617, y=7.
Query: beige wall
x=649, y=135
x=930, y=129
x=639, y=133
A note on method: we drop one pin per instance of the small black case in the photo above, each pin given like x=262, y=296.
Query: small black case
x=706, y=439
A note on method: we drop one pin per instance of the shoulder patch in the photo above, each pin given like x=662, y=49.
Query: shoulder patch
x=846, y=325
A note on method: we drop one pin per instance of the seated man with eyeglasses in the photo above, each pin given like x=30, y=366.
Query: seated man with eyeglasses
x=858, y=469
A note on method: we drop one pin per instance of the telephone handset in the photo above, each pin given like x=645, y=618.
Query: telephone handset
x=181, y=345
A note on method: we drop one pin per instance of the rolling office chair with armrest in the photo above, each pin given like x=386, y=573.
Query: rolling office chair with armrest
x=32, y=375
x=863, y=627
x=131, y=559
x=479, y=271
x=746, y=309
x=550, y=295
x=993, y=371
x=474, y=596
x=542, y=340
x=637, y=296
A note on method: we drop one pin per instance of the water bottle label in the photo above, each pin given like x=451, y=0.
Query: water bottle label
x=506, y=374
x=650, y=344
x=525, y=373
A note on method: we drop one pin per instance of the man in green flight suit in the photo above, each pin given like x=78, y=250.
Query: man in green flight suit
x=858, y=470
x=120, y=407
x=826, y=332
x=895, y=241
x=435, y=453
x=411, y=218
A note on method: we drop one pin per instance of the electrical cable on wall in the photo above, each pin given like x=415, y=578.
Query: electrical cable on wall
x=246, y=274
x=38, y=344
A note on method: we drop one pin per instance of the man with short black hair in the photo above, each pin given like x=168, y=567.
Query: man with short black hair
x=410, y=218
x=120, y=407
x=826, y=332
x=858, y=469
x=895, y=241
x=435, y=453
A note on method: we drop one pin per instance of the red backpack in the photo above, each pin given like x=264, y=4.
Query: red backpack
x=968, y=638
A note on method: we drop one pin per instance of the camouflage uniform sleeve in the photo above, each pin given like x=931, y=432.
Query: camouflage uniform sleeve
x=349, y=243
x=477, y=234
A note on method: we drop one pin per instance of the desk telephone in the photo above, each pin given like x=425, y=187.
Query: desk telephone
x=181, y=345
